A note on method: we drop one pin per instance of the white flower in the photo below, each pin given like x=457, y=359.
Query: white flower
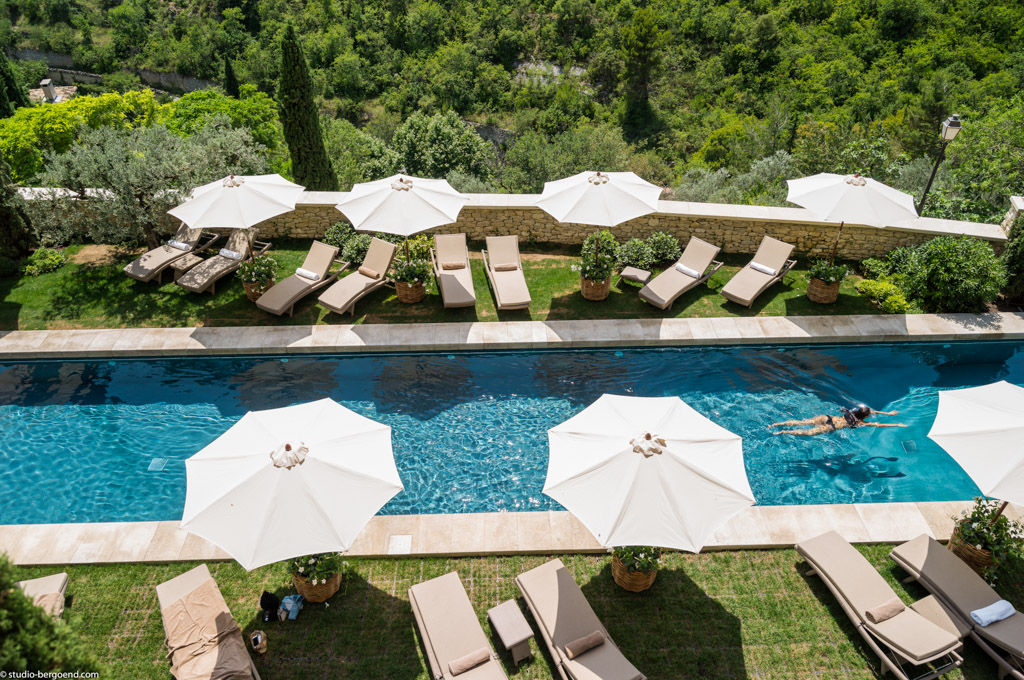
x=302, y=569
x=311, y=560
x=314, y=581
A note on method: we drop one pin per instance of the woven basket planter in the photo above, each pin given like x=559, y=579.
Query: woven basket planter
x=978, y=560
x=253, y=291
x=410, y=293
x=821, y=292
x=633, y=581
x=595, y=290
x=318, y=593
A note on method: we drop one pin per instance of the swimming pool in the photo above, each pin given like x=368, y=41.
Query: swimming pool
x=97, y=441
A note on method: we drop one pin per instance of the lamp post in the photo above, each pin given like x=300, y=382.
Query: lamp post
x=950, y=129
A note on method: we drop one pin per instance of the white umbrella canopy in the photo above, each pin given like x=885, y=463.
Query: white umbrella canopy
x=238, y=202
x=402, y=205
x=600, y=198
x=852, y=198
x=263, y=503
x=673, y=490
x=982, y=429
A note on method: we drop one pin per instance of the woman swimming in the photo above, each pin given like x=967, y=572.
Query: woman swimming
x=850, y=419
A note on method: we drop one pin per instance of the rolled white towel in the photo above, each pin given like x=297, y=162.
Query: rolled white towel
x=686, y=270
x=230, y=254
x=306, y=274
x=763, y=268
x=180, y=245
x=992, y=613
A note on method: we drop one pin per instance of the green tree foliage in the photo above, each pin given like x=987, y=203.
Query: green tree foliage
x=639, y=42
x=16, y=238
x=230, y=80
x=310, y=164
x=31, y=640
x=433, y=146
x=534, y=159
x=356, y=155
x=1013, y=258
x=139, y=173
x=253, y=111
x=14, y=95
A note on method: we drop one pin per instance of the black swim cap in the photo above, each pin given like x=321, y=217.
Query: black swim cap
x=861, y=411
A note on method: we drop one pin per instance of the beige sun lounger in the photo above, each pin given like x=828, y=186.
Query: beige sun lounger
x=283, y=295
x=563, y=615
x=47, y=592
x=907, y=639
x=699, y=256
x=504, y=270
x=153, y=264
x=961, y=590
x=748, y=283
x=204, y=276
x=450, y=628
x=451, y=269
x=204, y=641
x=343, y=295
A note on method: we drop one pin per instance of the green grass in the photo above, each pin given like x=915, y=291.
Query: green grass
x=728, y=615
x=81, y=295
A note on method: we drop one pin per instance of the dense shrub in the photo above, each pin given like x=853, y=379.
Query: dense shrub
x=875, y=267
x=664, y=247
x=43, y=261
x=889, y=297
x=355, y=248
x=338, y=234
x=1013, y=259
x=634, y=253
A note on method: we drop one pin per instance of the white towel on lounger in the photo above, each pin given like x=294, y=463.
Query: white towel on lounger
x=992, y=613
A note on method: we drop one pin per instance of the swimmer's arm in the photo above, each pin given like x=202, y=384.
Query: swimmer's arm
x=864, y=424
x=886, y=413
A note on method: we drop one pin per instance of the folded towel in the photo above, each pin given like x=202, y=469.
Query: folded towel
x=885, y=611
x=453, y=265
x=763, y=268
x=366, y=271
x=992, y=613
x=686, y=270
x=583, y=644
x=180, y=245
x=292, y=604
x=230, y=254
x=506, y=267
x=471, y=660
x=306, y=274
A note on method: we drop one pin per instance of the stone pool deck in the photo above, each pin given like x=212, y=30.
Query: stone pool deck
x=494, y=533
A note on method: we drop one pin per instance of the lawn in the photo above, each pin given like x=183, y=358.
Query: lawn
x=727, y=615
x=95, y=293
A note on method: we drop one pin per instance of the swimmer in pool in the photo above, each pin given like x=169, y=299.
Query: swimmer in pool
x=824, y=424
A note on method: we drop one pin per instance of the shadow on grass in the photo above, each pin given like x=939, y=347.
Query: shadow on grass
x=672, y=630
x=360, y=632
x=9, y=310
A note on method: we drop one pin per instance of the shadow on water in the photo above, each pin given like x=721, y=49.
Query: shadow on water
x=692, y=636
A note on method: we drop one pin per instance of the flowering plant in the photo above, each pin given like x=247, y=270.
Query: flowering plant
x=827, y=272
x=1003, y=537
x=411, y=271
x=259, y=269
x=639, y=557
x=318, y=569
x=598, y=256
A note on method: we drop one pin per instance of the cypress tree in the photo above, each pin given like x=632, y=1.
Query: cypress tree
x=16, y=94
x=16, y=238
x=310, y=164
x=230, y=81
x=6, y=108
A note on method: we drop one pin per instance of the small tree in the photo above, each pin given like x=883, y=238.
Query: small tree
x=433, y=146
x=639, y=42
x=16, y=239
x=31, y=640
x=1013, y=258
x=230, y=80
x=310, y=164
x=139, y=173
x=16, y=94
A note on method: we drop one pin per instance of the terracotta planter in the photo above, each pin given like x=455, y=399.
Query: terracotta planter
x=978, y=560
x=320, y=592
x=633, y=581
x=821, y=292
x=595, y=290
x=410, y=293
x=253, y=291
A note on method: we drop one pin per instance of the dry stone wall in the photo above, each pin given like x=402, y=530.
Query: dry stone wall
x=733, y=235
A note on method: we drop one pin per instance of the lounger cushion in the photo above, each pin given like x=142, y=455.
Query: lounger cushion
x=886, y=611
x=861, y=586
x=510, y=288
x=366, y=271
x=448, y=266
x=283, y=294
x=947, y=576
x=467, y=661
x=340, y=295
x=561, y=609
x=584, y=644
x=746, y=285
x=457, y=287
x=511, y=267
x=47, y=592
x=450, y=628
x=206, y=272
x=666, y=287
x=149, y=264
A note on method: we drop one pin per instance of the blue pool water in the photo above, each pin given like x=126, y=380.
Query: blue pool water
x=95, y=441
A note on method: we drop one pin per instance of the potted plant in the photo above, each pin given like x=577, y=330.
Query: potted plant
x=984, y=538
x=596, y=263
x=411, y=269
x=824, y=278
x=317, y=577
x=635, y=567
x=257, y=275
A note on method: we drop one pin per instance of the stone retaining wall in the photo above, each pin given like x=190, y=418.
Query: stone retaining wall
x=734, y=235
